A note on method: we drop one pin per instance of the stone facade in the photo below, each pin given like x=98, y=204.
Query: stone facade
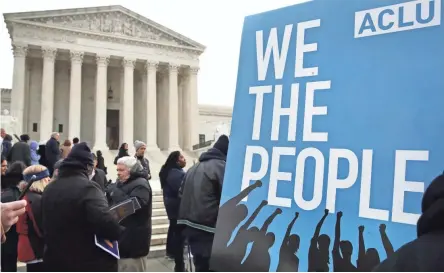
x=211, y=118
x=107, y=75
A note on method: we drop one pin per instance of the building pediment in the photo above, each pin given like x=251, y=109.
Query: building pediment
x=110, y=20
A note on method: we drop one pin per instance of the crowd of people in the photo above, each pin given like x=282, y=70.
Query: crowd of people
x=55, y=226
x=66, y=205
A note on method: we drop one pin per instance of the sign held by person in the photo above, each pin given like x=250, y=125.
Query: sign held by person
x=336, y=133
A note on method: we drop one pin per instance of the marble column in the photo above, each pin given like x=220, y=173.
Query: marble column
x=173, y=106
x=190, y=110
x=127, y=105
x=75, y=95
x=151, y=106
x=18, y=86
x=121, y=95
x=47, y=105
x=101, y=100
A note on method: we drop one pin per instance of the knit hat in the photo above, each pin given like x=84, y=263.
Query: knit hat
x=80, y=155
x=222, y=144
x=138, y=144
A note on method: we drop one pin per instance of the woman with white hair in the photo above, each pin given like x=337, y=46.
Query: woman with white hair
x=29, y=226
x=134, y=244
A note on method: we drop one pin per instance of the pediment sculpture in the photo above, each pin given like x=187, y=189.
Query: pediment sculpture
x=115, y=23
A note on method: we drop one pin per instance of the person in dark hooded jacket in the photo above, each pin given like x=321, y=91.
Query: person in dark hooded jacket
x=201, y=192
x=425, y=253
x=74, y=211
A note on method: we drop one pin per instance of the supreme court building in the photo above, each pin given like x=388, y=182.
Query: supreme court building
x=104, y=74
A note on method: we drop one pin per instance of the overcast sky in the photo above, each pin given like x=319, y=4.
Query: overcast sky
x=215, y=24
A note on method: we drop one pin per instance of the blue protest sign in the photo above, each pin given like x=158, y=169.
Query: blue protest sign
x=336, y=133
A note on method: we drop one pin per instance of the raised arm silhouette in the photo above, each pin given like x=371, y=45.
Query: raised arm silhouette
x=318, y=253
x=367, y=260
x=259, y=258
x=341, y=263
x=269, y=220
x=233, y=213
x=230, y=204
x=288, y=259
x=361, y=253
x=386, y=241
x=244, y=236
x=254, y=215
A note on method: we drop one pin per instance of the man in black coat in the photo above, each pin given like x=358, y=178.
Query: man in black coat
x=135, y=243
x=74, y=210
x=201, y=193
x=425, y=253
x=52, y=151
x=20, y=151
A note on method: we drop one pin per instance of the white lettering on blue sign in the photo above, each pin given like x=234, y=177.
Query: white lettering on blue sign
x=401, y=17
x=330, y=180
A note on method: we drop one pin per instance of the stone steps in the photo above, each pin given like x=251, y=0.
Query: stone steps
x=159, y=220
x=158, y=205
x=159, y=212
x=160, y=224
x=158, y=239
x=157, y=198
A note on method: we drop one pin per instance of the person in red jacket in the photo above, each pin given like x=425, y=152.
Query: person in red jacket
x=29, y=226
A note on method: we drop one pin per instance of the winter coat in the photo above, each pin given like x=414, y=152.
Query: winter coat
x=201, y=191
x=74, y=211
x=135, y=242
x=35, y=157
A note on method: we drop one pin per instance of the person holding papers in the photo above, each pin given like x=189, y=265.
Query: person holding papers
x=134, y=245
x=75, y=212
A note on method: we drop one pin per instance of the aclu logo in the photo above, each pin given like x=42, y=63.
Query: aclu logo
x=401, y=17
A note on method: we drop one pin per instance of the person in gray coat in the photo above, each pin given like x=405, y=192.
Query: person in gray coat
x=201, y=192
